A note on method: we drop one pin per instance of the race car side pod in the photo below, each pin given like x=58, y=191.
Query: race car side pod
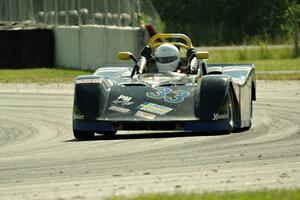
x=87, y=96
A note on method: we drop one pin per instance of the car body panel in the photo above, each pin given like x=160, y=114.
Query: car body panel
x=214, y=97
x=112, y=100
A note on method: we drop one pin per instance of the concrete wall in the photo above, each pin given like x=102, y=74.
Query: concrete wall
x=67, y=47
x=91, y=47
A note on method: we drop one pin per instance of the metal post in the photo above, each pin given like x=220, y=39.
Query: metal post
x=119, y=13
x=139, y=13
x=93, y=11
x=56, y=12
x=10, y=6
x=79, y=12
x=20, y=10
x=6, y=16
x=106, y=11
x=132, y=13
x=45, y=11
x=31, y=11
x=24, y=15
x=67, y=8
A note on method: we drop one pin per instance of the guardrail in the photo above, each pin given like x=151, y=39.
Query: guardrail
x=72, y=12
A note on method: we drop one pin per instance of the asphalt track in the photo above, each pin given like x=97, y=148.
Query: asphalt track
x=39, y=159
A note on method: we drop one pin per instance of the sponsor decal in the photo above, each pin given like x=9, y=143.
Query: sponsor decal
x=118, y=109
x=144, y=115
x=168, y=95
x=154, y=108
x=123, y=100
x=218, y=116
x=82, y=81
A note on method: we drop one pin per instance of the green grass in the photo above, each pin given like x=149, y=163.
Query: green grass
x=246, y=54
x=41, y=75
x=258, y=195
x=276, y=64
x=277, y=77
x=264, y=58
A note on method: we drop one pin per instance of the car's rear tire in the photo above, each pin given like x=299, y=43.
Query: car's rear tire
x=83, y=135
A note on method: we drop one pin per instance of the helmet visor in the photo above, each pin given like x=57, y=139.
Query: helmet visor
x=166, y=59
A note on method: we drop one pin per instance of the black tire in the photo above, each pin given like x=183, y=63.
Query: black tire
x=83, y=135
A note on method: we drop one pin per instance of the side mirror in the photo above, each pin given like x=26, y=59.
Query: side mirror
x=202, y=55
x=124, y=55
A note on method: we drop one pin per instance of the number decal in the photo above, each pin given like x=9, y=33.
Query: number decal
x=179, y=97
x=160, y=93
x=170, y=96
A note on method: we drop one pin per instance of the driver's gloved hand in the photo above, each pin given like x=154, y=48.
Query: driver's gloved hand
x=194, y=65
x=191, y=53
x=192, y=60
x=146, y=52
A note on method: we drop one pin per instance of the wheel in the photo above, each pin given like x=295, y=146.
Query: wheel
x=230, y=113
x=83, y=135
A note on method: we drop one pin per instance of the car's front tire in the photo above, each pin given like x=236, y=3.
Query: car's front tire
x=230, y=112
x=83, y=135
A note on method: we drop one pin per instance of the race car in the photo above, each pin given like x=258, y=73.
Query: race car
x=207, y=98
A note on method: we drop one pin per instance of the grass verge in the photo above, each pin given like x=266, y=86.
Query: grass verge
x=41, y=75
x=273, y=64
x=255, y=195
x=265, y=59
x=277, y=77
x=257, y=53
x=276, y=64
x=67, y=76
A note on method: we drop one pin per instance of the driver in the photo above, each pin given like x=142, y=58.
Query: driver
x=167, y=59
